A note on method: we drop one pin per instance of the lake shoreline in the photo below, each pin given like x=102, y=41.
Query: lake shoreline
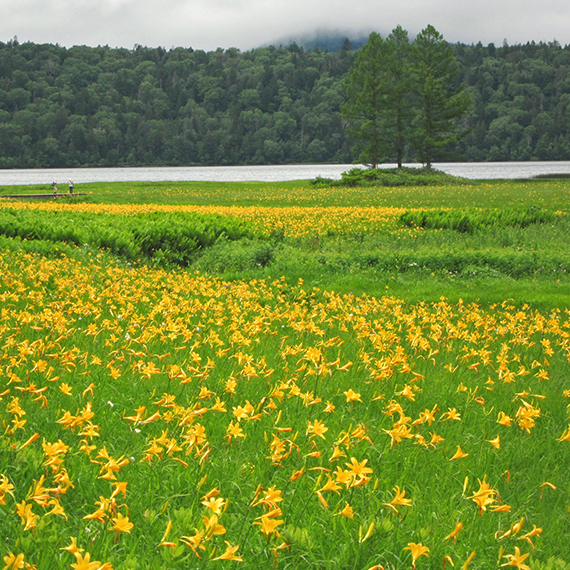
x=266, y=173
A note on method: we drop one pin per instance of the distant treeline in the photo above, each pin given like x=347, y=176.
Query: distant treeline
x=151, y=106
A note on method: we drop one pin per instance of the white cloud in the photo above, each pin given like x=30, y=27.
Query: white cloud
x=207, y=24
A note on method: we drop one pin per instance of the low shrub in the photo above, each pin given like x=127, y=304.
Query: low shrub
x=390, y=177
x=234, y=256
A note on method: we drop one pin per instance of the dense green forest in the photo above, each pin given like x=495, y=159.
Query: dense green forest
x=151, y=106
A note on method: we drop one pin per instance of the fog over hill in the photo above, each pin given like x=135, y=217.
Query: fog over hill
x=245, y=24
x=331, y=41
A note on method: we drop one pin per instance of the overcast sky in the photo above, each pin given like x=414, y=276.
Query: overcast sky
x=246, y=24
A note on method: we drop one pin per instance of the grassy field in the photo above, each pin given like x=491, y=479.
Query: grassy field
x=477, y=194
x=201, y=375
x=346, y=239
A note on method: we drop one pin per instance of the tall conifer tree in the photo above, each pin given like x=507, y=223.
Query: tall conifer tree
x=400, y=100
x=378, y=106
x=368, y=90
x=439, y=103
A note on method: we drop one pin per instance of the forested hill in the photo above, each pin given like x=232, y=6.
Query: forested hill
x=103, y=106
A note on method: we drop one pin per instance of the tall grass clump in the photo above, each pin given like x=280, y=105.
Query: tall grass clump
x=172, y=238
x=466, y=220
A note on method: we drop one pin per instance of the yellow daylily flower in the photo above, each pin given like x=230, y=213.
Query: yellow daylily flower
x=496, y=443
x=417, y=550
x=13, y=562
x=352, y=396
x=230, y=553
x=72, y=547
x=517, y=560
x=453, y=534
x=29, y=518
x=484, y=496
x=459, y=454
x=84, y=562
x=347, y=512
x=398, y=500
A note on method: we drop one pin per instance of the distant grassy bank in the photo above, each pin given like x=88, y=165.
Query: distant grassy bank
x=552, y=194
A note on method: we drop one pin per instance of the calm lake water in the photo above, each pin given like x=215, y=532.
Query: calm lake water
x=473, y=170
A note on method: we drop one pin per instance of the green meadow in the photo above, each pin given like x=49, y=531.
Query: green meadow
x=255, y=375
x=525, y=262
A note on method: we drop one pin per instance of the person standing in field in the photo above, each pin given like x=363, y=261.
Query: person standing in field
x=70, y=182
x=54, y=186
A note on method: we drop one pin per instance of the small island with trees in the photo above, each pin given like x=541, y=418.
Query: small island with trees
x=402, y=95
